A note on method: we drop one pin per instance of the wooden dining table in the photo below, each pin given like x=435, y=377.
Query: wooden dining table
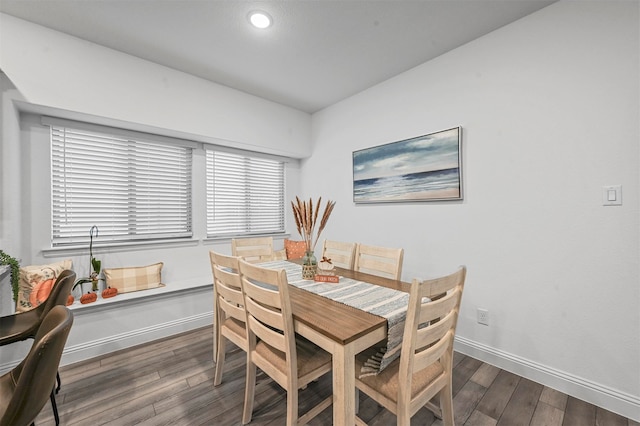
x=343, y=331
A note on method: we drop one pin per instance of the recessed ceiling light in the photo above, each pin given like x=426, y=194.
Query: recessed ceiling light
x=260, y=20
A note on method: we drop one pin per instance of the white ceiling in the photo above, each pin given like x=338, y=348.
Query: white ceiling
x=316, y=53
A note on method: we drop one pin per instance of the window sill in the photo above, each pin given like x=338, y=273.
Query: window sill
x=227, y=239
x=169, y=290
x=117, y=247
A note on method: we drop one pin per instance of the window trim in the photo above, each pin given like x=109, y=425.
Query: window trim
x=119, y=131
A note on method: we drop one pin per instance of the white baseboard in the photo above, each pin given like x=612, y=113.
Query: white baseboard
x=94, y=348
x=116, y=342
x=622, y=403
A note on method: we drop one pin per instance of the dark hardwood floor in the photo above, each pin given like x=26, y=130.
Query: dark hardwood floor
x=170, y=382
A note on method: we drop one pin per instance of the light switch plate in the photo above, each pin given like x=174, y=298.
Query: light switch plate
x=612, y=195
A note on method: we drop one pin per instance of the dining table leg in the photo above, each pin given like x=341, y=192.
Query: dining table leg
x=344, y=385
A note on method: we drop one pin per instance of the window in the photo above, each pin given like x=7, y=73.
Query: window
x=132, y=188
x=245, y=195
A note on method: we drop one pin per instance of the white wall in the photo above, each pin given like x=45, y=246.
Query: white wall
x=549, y=107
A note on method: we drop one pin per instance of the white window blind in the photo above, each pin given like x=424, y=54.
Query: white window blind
x=132, y=190
x=245, y=195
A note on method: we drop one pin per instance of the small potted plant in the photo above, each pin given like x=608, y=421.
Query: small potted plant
x=13, y=263
x=94, y=264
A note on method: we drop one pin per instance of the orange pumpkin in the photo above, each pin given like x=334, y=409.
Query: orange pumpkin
x=70, y=300
x=88, y=298
x=109, y=292
x=41, y=291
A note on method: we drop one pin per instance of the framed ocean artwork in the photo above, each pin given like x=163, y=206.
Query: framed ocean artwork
x=424, y=168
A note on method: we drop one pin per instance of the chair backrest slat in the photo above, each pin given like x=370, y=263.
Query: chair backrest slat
x=267, y=334
x=441, y=285
x=265, y=312
x=231, y=293
x=254, y=250
x=341, y=254
x=434, y=353
x=429, y=335
x=231, y=309
x=440, y=307
x=382, y=261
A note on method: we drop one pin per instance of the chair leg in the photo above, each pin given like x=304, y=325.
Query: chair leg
x=216, y=328
x=59, y=382
x=292, y=407
x=222, y=347
x=446, y=404
x=249, y=391
x=54, y=406
x=403, y=417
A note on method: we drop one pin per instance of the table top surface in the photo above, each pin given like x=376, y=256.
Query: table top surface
x=336, y=320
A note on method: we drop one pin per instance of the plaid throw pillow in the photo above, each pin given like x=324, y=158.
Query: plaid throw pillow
x=134, y=278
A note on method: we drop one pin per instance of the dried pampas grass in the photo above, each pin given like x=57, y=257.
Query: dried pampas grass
x=306, y=217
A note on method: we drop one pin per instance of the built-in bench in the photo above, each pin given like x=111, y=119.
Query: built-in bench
x=127, y=320
x=136, y=296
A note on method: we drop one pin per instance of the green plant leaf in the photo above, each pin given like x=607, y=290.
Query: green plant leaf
x=81, y=281
x=96, y=265
x=6, y=259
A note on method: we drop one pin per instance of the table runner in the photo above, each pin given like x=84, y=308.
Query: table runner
x=378, y=300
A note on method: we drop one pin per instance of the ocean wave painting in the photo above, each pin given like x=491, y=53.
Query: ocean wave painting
x=424, y=168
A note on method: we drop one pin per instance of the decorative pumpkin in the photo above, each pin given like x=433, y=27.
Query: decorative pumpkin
x=88, y=298
x=70, y=300
x=325, y=266
x=109, y=292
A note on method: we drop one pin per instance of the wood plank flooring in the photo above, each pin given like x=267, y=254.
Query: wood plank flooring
x=170, y=382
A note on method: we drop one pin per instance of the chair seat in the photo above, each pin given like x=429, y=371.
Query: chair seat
x=310, y=356
x=21, y=326
x=235, y=326
x=238, y=331
x=387, y=381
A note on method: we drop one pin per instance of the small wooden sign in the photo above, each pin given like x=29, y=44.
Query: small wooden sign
x=327, y=278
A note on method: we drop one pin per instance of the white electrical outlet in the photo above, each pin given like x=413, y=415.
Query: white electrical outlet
x=483, y=316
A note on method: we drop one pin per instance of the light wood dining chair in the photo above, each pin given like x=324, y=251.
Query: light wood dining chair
x=254, y=250
x=424, y=368
x=290, y=360
x=341, y=254
x=381, y=261
x=229, y=323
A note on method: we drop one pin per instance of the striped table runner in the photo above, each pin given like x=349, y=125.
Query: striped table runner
x=382, y=301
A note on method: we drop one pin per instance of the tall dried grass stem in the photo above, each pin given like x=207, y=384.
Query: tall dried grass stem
x=306, y=218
